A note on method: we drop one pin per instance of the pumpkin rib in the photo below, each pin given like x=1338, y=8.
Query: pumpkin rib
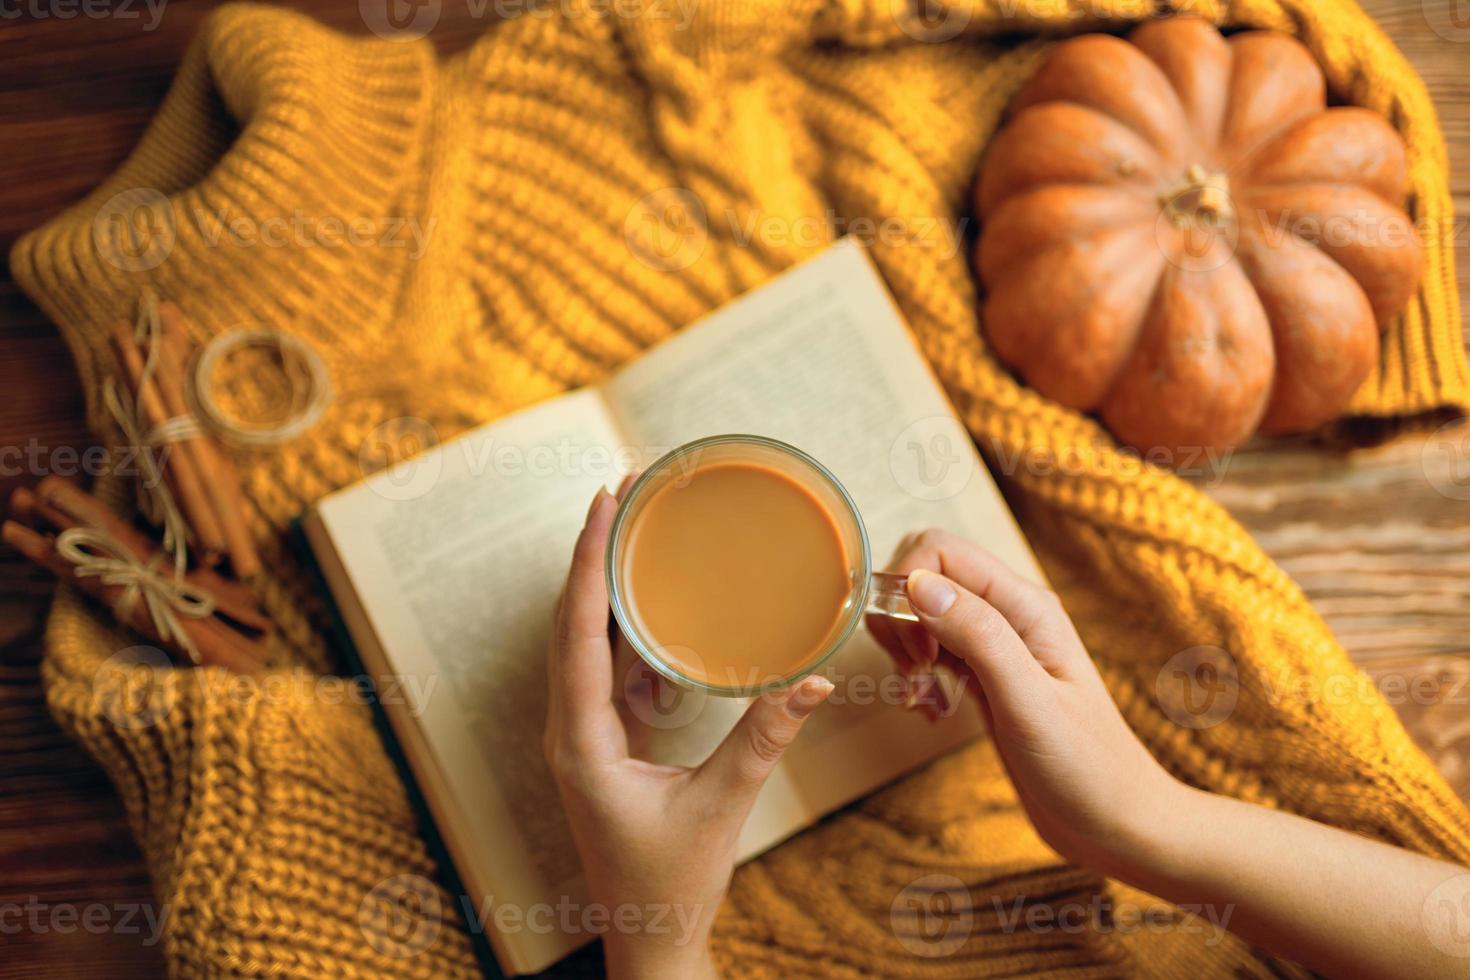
x=1080, y=323
x=1385, y=259
x=1322, y=327
x=1148, y=306
x=1206, y=333
x=1089, y=68
x=1257, y=234
x=1308, y=183
x=1188, y=50
x=1041, y=217
x=1250, y=78
x=1042, y=146
x=1106, y=114
x=1354, y=132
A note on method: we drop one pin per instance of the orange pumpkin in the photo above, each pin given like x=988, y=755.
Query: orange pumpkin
x=1179, y=235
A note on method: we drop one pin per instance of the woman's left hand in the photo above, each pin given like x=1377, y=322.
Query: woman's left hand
x=657, y=842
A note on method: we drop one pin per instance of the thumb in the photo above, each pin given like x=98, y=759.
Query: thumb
x=975, y=632
x=746, y=757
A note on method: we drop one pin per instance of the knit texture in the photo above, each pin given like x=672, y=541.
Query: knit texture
x=268, y=813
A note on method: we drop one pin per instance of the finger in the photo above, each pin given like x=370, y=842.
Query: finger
x=975, y=632
x=917, y=642
x=580, y=665
x=951, y=686
x=746, y=757
x=885, y=631
x=627, y=484
x=930, y=697
x=1033, y=612
x=970, y=684
x=881, y=627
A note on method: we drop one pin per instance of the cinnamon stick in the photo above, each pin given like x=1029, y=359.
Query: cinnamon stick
x=180, y=467
x=217, y=644
x=23, y=507
x=221, y=479
x=65, y=505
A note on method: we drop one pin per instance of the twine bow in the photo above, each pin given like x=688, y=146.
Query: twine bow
x=155, y=499
x=96, y=553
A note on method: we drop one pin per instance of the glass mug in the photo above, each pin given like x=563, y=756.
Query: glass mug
x=867, y=591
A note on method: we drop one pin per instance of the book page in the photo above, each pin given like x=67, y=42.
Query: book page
x=457, y=557
x=821, y=359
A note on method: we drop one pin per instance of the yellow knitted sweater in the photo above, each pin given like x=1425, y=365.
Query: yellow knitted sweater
x=268, y=813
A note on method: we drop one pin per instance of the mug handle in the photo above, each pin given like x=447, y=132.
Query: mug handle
x=888, y=596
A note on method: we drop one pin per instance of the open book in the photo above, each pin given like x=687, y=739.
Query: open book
x=446, y=568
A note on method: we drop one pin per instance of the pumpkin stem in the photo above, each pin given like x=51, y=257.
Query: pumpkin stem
x=1202, y=195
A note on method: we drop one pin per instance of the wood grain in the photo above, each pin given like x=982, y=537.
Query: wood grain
x=1379, y=538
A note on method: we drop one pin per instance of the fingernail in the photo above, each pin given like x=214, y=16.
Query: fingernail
x=930, y=594
x=596, y=500
x=942, y=704
x=808, y=694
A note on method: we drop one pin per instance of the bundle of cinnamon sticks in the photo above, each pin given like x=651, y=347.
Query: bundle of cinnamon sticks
x=233, y=636
x=200, y=474
x=184, y=599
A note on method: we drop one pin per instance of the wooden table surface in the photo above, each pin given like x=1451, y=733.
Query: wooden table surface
x=1379, y=538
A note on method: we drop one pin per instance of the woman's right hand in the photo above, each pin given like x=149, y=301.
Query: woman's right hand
x=1336, y=902
x=1090, y=788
